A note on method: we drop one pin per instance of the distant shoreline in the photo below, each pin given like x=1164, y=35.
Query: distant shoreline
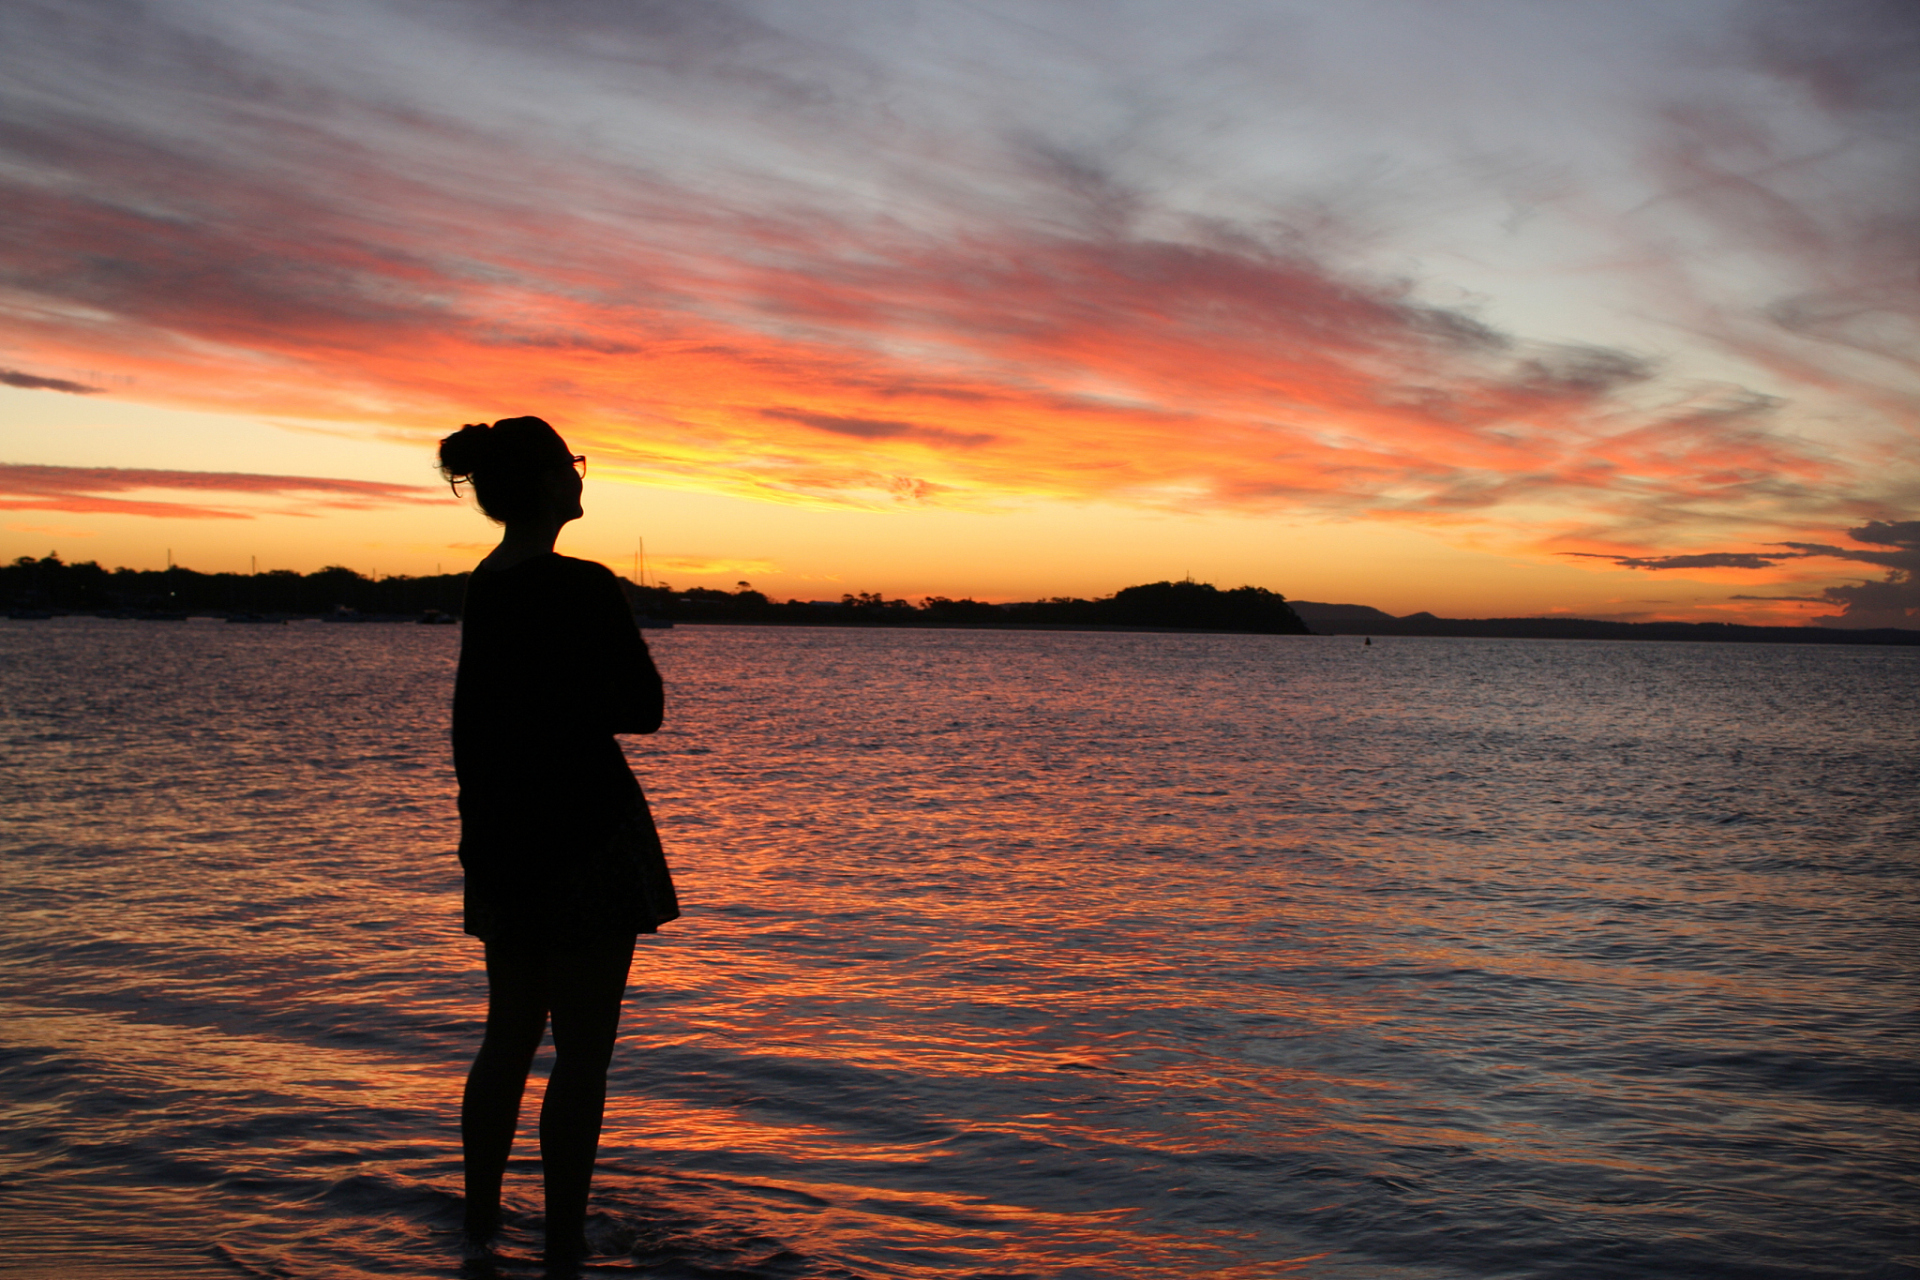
x=32, y=589
x=1590, y=629
x=1438, y=629
x=1468, y=629
x=1363, y=620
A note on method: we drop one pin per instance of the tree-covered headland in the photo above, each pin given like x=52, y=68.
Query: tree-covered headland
x=52, y=585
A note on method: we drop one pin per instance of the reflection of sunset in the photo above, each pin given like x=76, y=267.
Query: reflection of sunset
x=1013, y=952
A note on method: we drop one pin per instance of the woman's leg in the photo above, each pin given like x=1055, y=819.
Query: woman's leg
x=585, y=986
x=490, y=1108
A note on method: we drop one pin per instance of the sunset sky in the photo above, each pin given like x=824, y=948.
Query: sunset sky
x=1483, y=308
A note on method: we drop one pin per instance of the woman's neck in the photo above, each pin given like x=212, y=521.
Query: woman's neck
x=522, y=542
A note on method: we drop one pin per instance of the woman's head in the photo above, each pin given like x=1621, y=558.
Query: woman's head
x=520, y=469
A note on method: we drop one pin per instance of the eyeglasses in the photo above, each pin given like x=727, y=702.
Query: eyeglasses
x=578, y=462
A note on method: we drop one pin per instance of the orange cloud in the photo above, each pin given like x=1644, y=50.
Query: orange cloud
x=706, y=567
x=1167, y=374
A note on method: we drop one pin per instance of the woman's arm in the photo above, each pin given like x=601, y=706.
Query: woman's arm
x=625, y=680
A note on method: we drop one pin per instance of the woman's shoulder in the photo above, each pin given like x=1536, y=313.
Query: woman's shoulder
x=586, y=580
x=582, y=570
x=546, y=564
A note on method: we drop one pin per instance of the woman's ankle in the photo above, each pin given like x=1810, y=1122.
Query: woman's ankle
x=482, y=1222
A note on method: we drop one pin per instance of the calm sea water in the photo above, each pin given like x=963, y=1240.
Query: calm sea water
x=1006, y=955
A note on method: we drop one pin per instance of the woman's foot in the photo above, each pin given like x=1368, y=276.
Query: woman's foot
x=477, y=1260
x=564, y=1258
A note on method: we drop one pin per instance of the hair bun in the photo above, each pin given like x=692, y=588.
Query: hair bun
x=467, y=450
x=509, y=464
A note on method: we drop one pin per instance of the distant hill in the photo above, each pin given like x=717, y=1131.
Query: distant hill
x=1314, y=614
x=1360, y=619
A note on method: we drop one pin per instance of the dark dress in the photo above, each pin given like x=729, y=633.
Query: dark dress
x=555, y=836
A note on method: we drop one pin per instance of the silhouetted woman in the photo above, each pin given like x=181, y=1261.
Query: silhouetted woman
x=562, y=865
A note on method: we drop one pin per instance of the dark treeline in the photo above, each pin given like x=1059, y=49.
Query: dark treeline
x=1195, y=606
x=51, y=585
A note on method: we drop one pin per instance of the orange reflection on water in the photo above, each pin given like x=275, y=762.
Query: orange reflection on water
x=1114, y=955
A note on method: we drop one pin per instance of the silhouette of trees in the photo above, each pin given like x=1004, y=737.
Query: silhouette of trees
x=1195, y=606
x=1201, y=606
x=51, y=584
x=940, y=610
x=1175, y=605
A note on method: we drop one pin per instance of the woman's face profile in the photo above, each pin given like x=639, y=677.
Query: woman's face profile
x=563, y=486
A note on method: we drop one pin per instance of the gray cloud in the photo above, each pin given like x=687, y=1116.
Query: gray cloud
x=1824, y=198
x=1570, y=372
x=1703, y=560
x=880, y=428
x=34, y=382
x=1853, y=56
x=1893, y=601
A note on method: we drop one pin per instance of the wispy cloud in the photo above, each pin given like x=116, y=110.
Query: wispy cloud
x=96, y=490
x=1704, y=560
x=880, y=429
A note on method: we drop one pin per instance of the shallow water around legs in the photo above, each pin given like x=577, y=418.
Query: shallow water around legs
x=1005, y=954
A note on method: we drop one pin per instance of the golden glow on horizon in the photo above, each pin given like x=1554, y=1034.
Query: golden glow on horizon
x=1027, y=550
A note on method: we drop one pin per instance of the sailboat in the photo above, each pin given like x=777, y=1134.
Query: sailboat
x=641, y=620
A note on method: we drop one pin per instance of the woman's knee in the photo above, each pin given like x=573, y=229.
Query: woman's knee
x=585, y=1031
x=587, y=989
